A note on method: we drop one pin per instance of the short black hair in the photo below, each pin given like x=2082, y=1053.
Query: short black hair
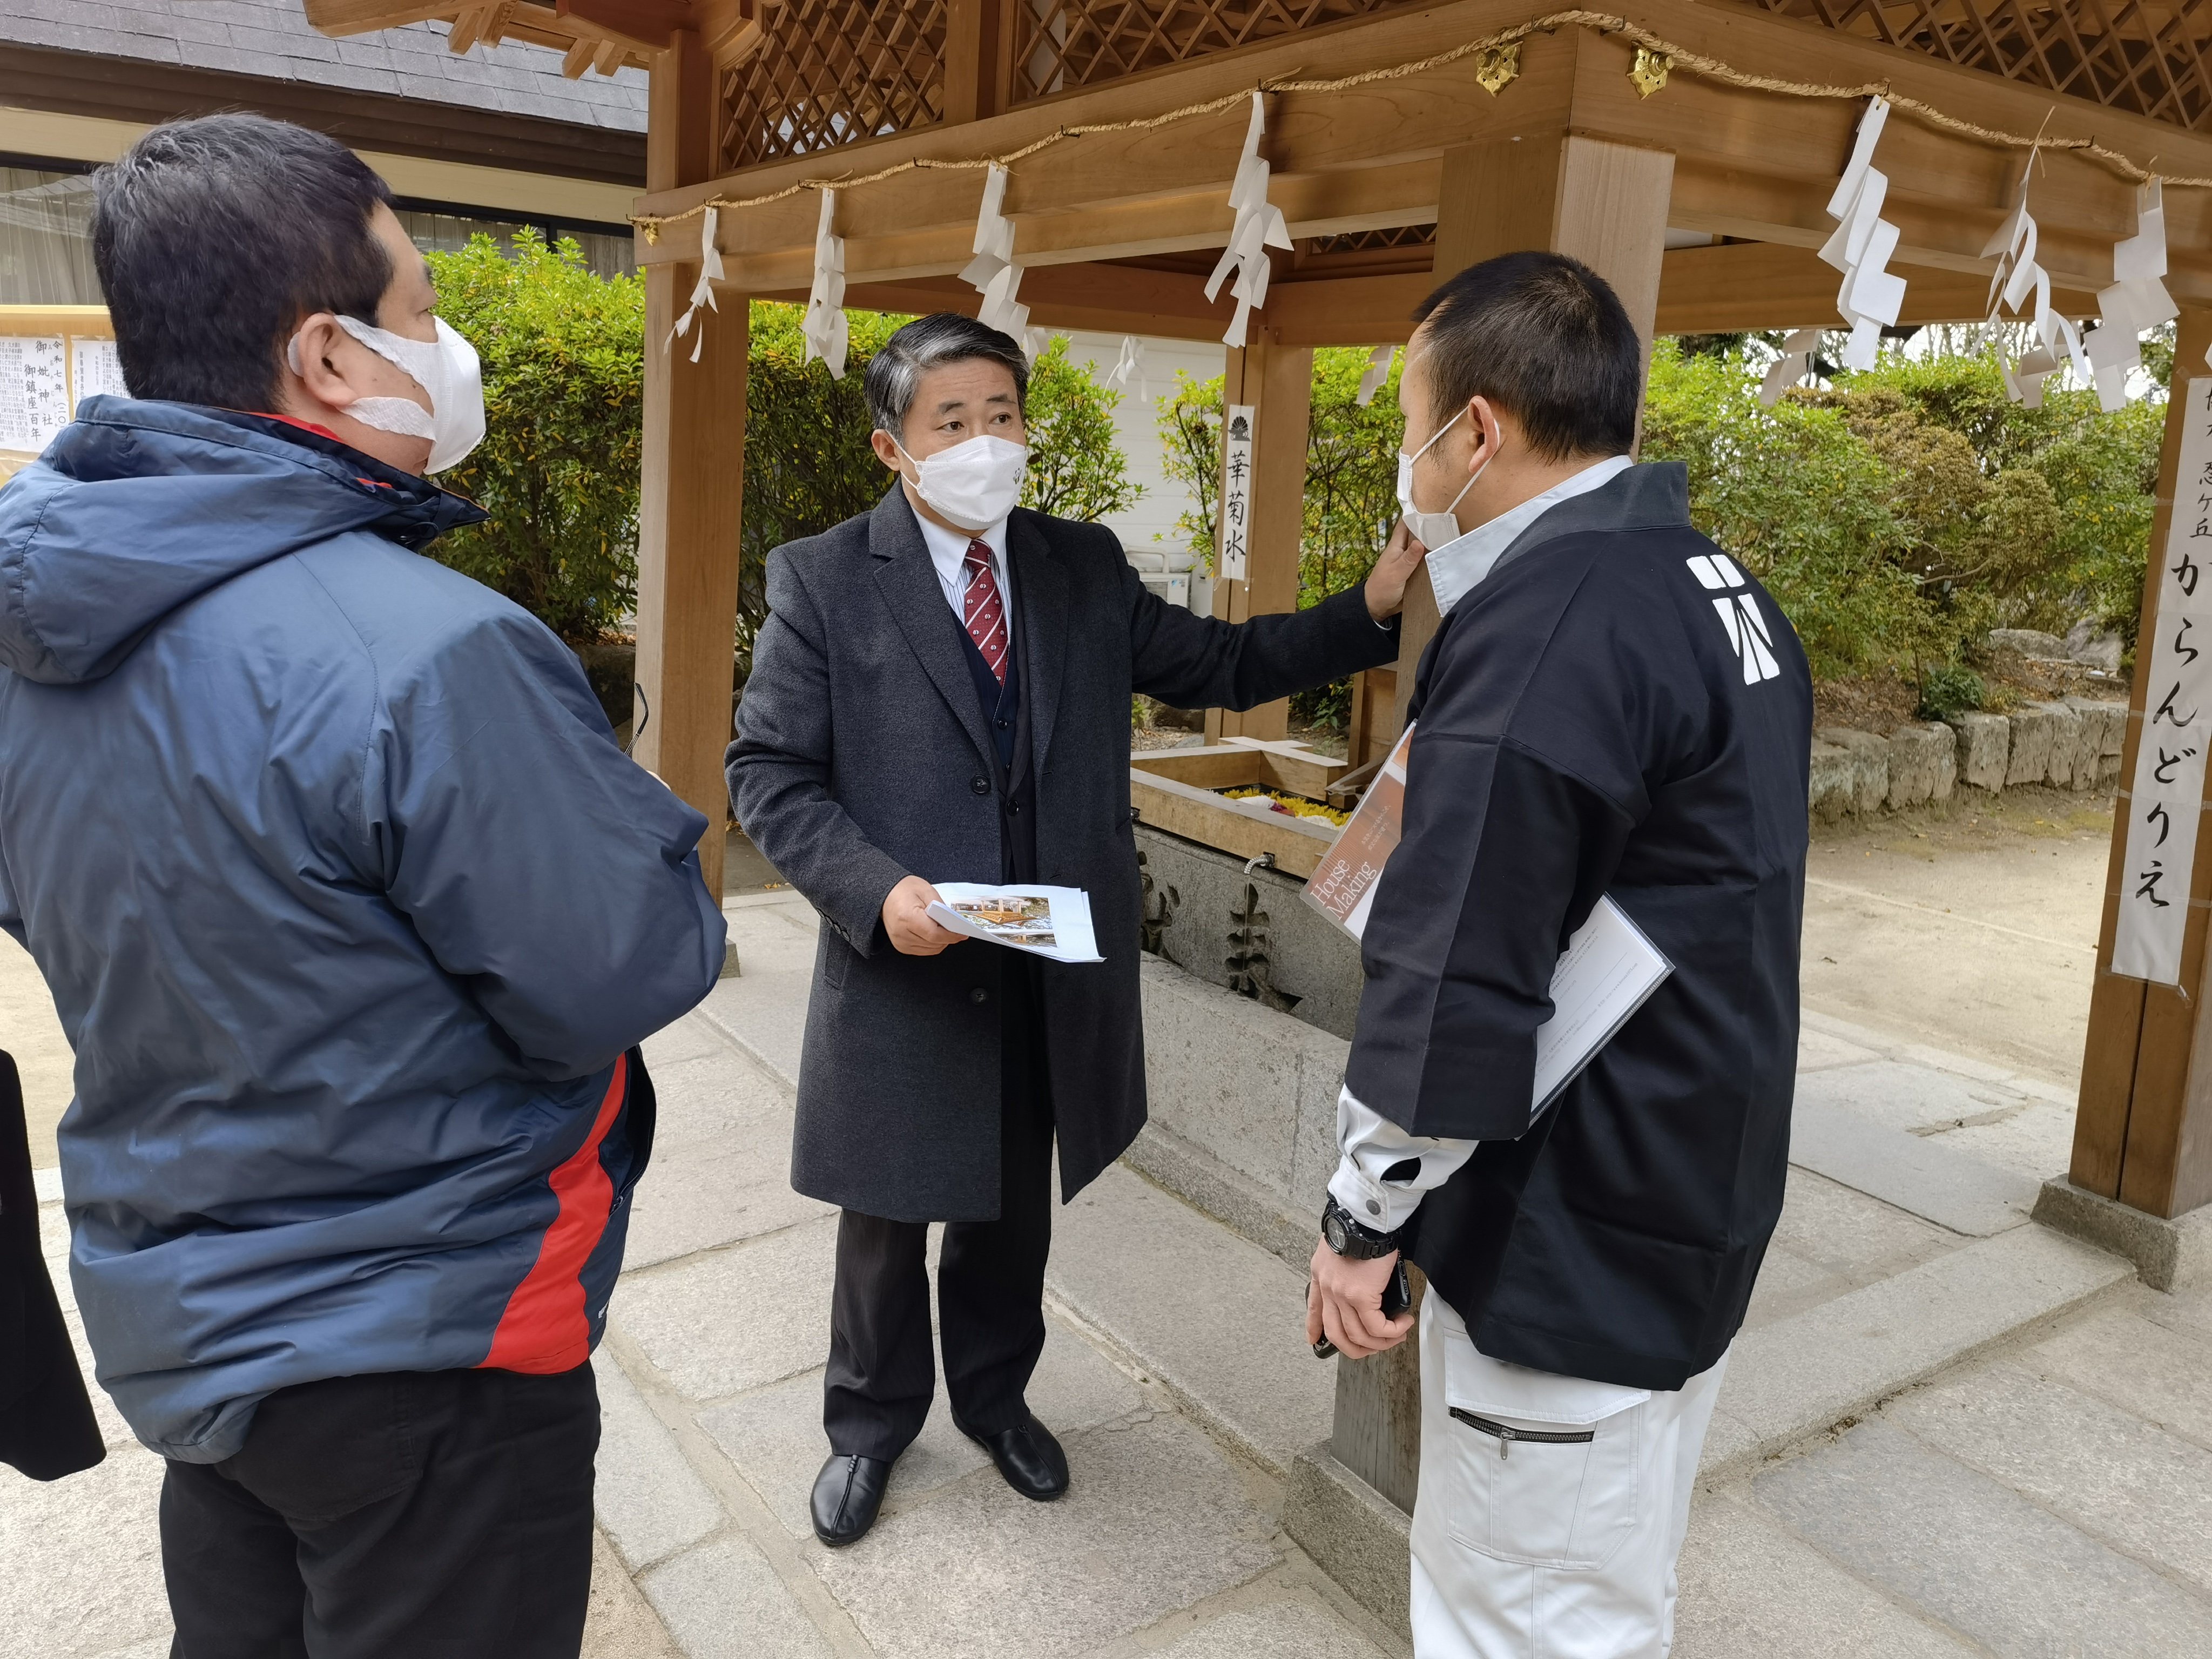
x=1546, y=337
x=931, y=342
x=214, y=238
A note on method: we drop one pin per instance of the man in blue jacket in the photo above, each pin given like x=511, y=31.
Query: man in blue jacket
x=354, y=913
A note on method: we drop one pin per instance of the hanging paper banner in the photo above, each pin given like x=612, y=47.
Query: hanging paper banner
x=2165, y=800
x=1259, y=226
x=702, y=291
x=825, y=327
x=1871, y=296
x=1236, y=491
x=1377, y=372
x=1791, y=367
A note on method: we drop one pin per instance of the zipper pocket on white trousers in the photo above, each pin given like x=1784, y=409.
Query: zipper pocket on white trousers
x=1506, y=1434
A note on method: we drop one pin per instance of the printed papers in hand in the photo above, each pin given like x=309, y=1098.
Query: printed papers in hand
x=1607, y=971
x=1045, y=921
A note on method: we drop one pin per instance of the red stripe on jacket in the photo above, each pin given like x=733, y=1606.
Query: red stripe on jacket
x=544, y=1328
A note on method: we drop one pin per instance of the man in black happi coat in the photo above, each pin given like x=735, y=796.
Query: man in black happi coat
x=941, y=693
x=1611, y=707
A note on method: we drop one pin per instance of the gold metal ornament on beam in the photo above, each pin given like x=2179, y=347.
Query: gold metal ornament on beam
x=651, y=230
x=1497, y=67
x=1648, y=72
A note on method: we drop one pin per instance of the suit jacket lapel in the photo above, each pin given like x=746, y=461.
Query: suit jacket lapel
x=910, y=586
x=1041, y=594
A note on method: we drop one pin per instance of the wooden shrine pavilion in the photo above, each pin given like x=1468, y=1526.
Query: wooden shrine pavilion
x=1687, y=151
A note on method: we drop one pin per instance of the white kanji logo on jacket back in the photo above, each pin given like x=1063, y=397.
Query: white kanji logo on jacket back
x=1739, y=613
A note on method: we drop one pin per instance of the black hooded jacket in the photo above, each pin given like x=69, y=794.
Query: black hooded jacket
x=1618, y=708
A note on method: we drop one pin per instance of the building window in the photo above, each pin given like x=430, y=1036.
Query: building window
x=607, y=251
x=45, y=239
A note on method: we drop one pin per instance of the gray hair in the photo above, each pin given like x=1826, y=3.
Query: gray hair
x=942, y=336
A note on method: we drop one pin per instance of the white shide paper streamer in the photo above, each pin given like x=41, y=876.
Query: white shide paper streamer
x=1863, y=244
x=2136, y=300
x=993, y=272
x=702, y=291
x=1371, y=377
x=1130, y=366
x=1259, y=226
x=2017, y=277
x=825, y=325
x=1791, y=367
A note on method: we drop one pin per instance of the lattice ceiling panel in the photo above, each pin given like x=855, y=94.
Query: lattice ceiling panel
x=2150, y=60
x=1063, y=44
x=830, y=72
x=1371, y=242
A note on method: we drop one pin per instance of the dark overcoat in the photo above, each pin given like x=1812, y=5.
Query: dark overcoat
x=862, y=758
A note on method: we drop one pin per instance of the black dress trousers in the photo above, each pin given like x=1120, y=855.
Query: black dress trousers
x=990, y=1278
x=408, y=1514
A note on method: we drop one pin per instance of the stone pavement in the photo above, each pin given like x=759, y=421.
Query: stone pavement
x=2007, y=1452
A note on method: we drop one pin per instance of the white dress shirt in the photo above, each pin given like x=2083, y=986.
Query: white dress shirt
x=1367, y=1143
x=948, y=551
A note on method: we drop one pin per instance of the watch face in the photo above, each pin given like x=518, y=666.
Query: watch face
x=1332, y=1229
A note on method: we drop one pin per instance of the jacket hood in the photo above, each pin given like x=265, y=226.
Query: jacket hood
x=138, y=507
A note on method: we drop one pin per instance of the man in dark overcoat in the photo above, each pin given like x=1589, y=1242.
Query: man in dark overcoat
x=941, y=692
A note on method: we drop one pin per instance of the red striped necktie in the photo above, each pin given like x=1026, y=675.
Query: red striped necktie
x=983, y=610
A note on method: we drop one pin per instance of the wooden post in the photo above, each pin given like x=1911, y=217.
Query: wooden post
x=974, y=77
x=1277, y=381
x=693, y=484
x=2143, y=1133
x=1605, y=203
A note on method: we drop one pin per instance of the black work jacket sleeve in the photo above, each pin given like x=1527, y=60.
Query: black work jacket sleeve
x=781, y=767
x=1504, y=855
x=1189, y=661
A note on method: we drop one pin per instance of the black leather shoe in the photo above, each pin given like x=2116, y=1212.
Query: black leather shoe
x=1029, y=1457
x=847, y=1495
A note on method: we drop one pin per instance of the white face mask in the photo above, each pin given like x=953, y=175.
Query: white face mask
x=1433, y=529
x=447, y=368
x=975, y=483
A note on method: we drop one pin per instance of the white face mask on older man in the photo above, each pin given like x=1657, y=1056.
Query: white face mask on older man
x=975, y=483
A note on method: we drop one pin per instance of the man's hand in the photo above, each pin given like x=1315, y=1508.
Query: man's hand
x=1344, y=1301
x=1386, y=583
x=907, y=921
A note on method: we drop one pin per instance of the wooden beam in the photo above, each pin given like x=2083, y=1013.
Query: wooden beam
x=641, y=24
x=1752, y=285
x=343, y=17
x=1277, y=381
x=2143, y=1133
x=1754, y=164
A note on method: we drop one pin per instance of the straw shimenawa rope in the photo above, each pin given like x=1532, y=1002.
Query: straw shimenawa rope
x=1679, y=58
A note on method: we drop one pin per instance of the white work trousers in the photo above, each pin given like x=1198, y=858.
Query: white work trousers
x=1547, y=1548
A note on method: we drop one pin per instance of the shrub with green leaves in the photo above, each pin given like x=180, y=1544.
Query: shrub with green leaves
x=563, y=371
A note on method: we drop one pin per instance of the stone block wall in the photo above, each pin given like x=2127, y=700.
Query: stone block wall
x=2073, y=744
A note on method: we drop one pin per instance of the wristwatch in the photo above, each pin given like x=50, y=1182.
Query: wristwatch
x=1348, y=1238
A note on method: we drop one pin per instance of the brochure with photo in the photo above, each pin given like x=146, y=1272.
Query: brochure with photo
x=1046, y=921
x=1607, y=971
